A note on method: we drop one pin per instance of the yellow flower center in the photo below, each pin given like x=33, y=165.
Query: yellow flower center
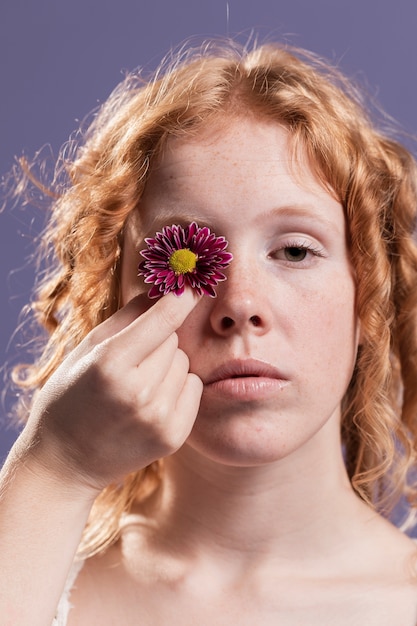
x=183, y=261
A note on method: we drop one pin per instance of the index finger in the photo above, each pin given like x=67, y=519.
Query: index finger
x=153, y=327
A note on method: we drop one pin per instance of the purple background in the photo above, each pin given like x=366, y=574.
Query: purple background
x=60, y=58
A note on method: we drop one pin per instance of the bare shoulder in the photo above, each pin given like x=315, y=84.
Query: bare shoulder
x=388, y=570
x=393, y=551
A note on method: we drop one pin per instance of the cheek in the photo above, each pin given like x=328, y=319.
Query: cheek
x=193, y=330
x=332, y=332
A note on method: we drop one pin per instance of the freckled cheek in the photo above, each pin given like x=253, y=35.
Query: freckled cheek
x=194, y=333
x=332, y=329
x=191, y=332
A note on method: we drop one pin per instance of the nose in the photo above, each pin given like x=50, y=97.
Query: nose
x=242, y=303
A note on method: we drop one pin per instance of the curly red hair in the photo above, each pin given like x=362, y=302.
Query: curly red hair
x=373, y=176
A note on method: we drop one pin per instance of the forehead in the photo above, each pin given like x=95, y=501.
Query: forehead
x=245, y=165
x=245, y=144
x=232, y=150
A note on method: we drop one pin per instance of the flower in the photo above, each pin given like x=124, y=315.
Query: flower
x=179, y=256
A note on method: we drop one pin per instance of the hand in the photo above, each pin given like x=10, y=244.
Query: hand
x=122, y=399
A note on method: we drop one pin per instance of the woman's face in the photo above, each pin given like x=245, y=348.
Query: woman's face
x=277, y=346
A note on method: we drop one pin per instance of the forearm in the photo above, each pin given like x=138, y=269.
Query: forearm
x=41, y=523
x=123, y=398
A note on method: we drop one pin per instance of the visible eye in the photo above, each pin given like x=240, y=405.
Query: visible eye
x=297, y=253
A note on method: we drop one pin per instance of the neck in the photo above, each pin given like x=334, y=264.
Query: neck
x=295, y=506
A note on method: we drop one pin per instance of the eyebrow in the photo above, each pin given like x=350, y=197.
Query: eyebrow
x=288, y=212
x=300, y=211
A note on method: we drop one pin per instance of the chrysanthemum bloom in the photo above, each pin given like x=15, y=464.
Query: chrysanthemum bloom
x=179, y=256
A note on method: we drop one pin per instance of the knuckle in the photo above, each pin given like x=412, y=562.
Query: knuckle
x=159, y=414
x=166, y=433
x=144, y=396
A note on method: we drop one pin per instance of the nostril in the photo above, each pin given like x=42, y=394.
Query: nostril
x=255, y=320
x=227, y=322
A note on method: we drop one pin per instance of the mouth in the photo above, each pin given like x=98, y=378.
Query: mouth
x=248, y=379
x=243, y=368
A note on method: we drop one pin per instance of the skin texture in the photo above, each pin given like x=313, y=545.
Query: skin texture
x=297, y=316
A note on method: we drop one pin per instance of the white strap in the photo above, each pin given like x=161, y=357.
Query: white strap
x=64, y=605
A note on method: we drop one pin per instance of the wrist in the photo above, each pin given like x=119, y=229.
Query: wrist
x=44, y=467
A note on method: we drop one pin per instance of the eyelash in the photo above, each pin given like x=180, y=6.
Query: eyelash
x=298, y=245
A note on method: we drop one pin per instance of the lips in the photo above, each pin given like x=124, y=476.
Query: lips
x=246, y=379
x=248, y=368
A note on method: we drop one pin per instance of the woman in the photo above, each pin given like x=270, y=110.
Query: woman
x=228, y=459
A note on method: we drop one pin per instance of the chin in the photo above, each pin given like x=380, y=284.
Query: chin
x=242, y=445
